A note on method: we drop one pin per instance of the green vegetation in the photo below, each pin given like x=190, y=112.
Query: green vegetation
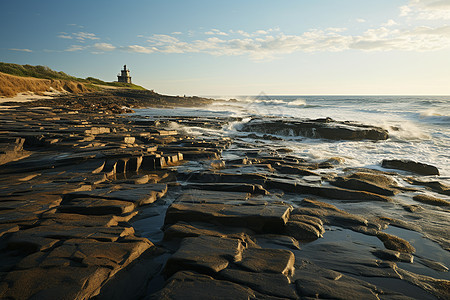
x=34, y=71
x=45, y=72
x=93, y=80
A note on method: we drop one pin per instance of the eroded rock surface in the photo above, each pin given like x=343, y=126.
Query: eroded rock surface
x=320, y=128
x=111, y=206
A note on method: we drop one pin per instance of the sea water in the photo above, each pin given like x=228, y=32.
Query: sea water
x=418, y=126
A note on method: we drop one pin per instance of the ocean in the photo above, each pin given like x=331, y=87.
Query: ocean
x=418, y=126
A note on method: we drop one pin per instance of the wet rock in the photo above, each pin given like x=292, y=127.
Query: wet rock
x=205, y=254
x=85, y=220
x=59, y=283
x=75, y=270
x=181, y=230
x=362, y=185
x=313, y=221
x=96, y=206
x=435, y=186
x=41, y=238
x=278, y=240
x=259, y=218
x=330, y=215
x=437, y=287
x=270, y=284
x=379, y=179
x=411, y=166
x=320, y=128
x=268, y=261
x=11, y=149
x=200, y=154
x=393, y=255
x=132, y=281
x=412, y=208
x=302, y=231
x=199, y=286
x=7, y=228
x=437, y=266
x=431, y=200
x=209, y=177
x=393, y=242
x=138, y=195
x=231, y=187
x=286, y=169
x=313, y=281
x=153, y=162
x=292, y=186
x=212, y=197
x=401, y=224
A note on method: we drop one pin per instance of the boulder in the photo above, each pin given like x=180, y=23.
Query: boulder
x=410, y=166
x=319, y=128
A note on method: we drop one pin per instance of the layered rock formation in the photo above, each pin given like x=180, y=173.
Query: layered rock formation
x=113, y=206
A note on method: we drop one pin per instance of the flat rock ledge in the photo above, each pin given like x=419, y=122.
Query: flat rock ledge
x=232, y=219
x=320, y=128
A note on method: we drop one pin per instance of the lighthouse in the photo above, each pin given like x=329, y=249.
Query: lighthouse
x=124, y=75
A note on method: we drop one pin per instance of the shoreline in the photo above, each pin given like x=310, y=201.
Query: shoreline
x=82, y=184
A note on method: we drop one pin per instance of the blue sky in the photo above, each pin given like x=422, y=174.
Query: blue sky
x=239, y=47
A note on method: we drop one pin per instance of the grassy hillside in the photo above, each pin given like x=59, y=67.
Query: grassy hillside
x=11, y=85
x=44, y=72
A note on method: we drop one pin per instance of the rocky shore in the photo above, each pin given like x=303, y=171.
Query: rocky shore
x=99, y=204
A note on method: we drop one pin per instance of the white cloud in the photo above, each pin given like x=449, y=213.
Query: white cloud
x=426, y=9
x=263, y=45
x=104, y=47
x=20, y=50
x=216, y=32
x=64, y=36
x=85, y=36
x=136, y=49
x=243, y=33
x=260, y=32
x=272, y=43
x=389, y=23
x=336, y=29
x=81, y=36
x=73, y=48
x=417, y=39
x=360, y=20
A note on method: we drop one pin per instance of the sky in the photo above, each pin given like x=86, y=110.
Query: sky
x=204, y=47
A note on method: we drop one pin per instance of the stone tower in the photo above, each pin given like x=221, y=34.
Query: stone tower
x=124, y=76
